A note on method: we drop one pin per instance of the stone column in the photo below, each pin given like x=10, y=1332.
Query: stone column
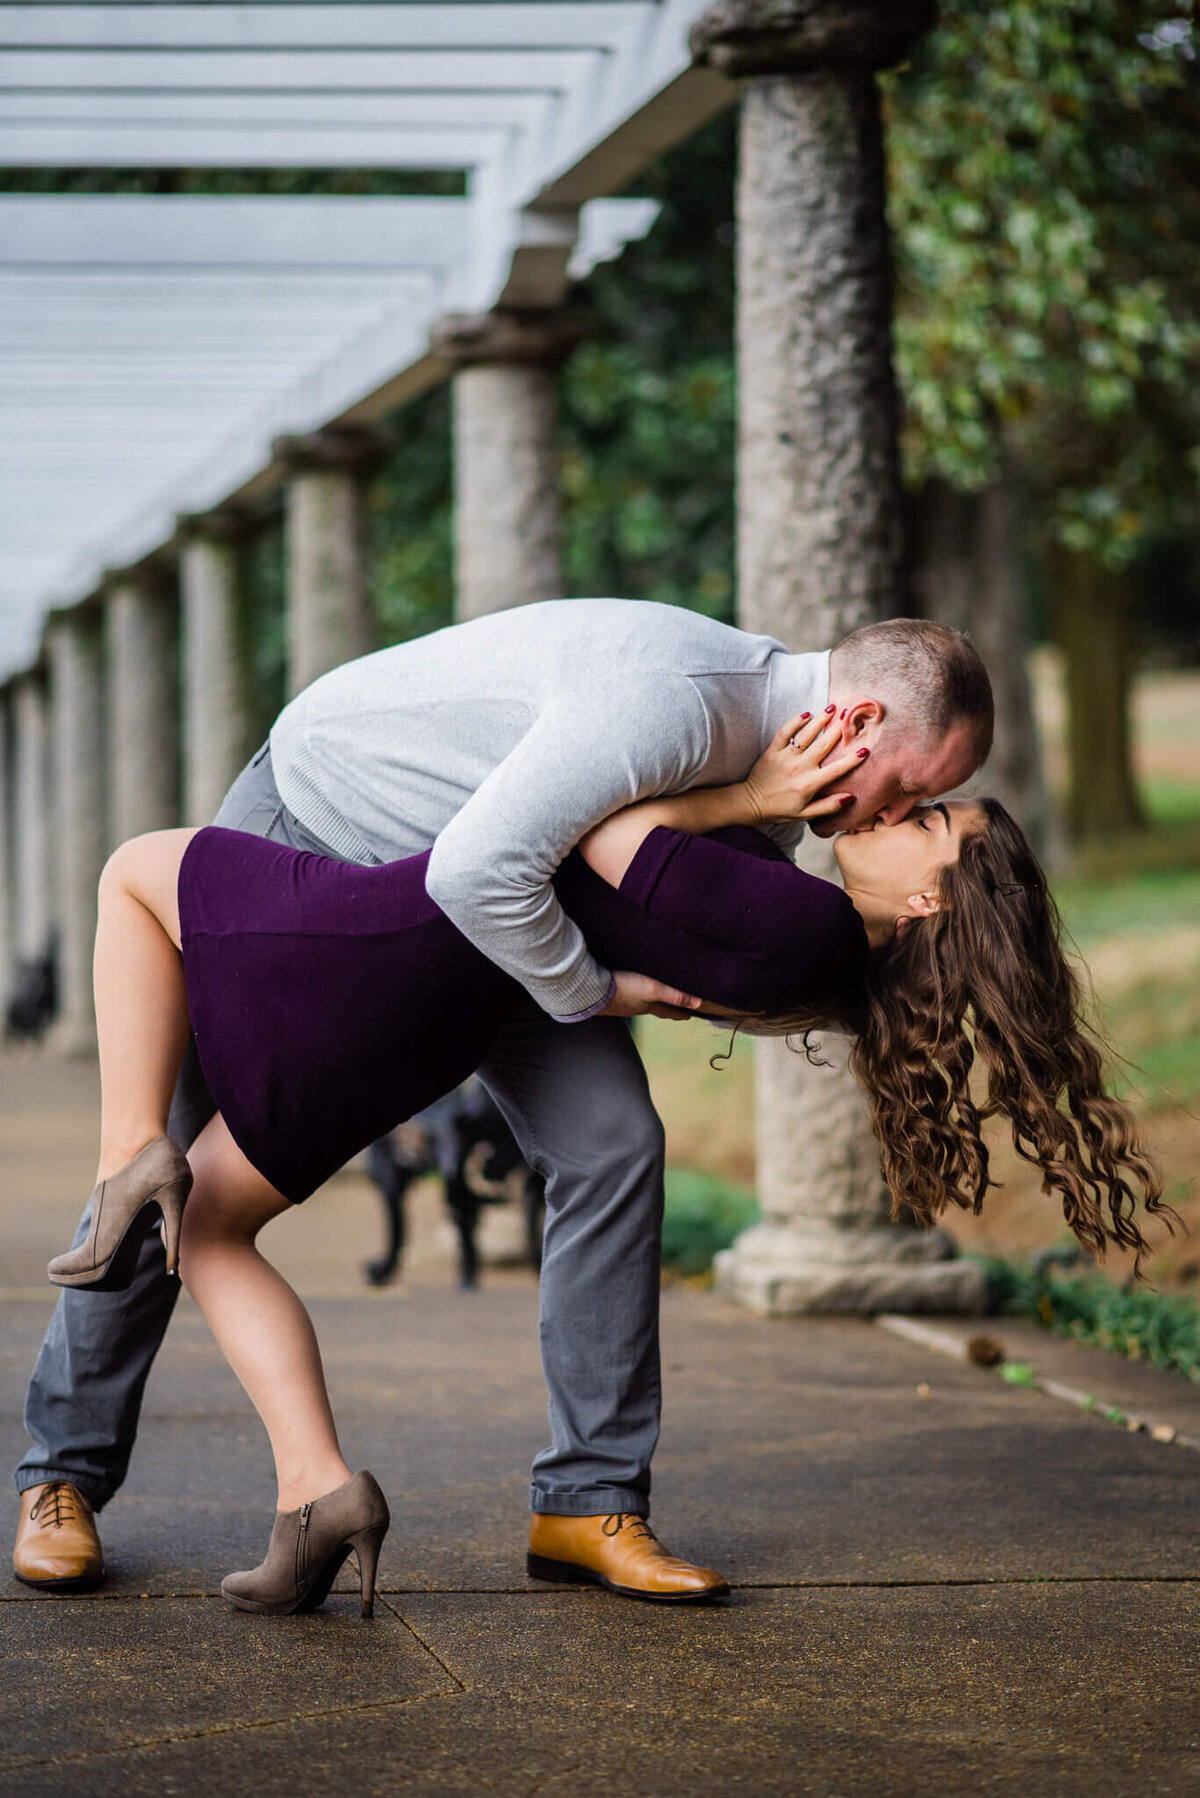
x=141, y=708
x=33, y=921
x=819, y=553
x=507, y=514
x=507, y=511
x=329, y=614
x=77, y=731
x=219, y=723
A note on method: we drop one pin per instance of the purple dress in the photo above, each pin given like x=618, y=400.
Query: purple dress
x=331, y=1001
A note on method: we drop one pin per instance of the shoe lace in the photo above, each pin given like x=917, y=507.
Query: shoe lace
x=56, y=1505
x=638, y=1528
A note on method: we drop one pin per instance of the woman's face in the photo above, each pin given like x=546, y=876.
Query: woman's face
x=892, y=870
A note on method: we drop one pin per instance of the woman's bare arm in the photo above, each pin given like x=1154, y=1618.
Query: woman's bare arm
x=612, y=845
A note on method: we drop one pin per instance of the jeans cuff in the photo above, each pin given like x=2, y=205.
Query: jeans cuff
x=96, y=1494
x=601, y=1501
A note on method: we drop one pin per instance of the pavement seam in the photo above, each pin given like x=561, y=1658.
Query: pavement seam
x=996, y=1580
x=812, y=1585
x=553, y=1779
x=28, y=1764
x=419, y=1639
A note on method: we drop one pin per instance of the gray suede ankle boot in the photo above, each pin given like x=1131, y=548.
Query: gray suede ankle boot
x=308, y=1547
x=125, y=1208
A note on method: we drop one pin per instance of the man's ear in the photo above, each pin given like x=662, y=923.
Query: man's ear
x=862, y=716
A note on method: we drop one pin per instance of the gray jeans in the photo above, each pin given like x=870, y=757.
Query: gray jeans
x=577, y=1100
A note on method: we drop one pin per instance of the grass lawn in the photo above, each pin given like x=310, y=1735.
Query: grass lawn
x=1132, y=909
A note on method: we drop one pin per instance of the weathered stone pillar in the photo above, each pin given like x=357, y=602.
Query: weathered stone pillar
x=141, y=708
x=218, y=701
x=77, y=730
x=329, y=614
x=819, y=553
x=507, y=513
x=33, y=923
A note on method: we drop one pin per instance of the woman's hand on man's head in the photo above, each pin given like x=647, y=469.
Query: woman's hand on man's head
x=795, y=778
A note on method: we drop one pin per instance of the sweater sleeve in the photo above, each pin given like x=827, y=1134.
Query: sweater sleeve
x=592, y=751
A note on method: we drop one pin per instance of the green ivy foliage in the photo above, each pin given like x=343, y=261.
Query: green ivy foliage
x=410, y=513
x=1045, y=199
x=702, y=1215
x=1139, y=1322
x=232, y=181
x=649, y=398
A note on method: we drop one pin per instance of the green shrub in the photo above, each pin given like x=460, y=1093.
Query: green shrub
x=703, y=1215
x=1158, y=1327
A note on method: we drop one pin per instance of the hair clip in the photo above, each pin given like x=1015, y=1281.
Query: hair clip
x=1010, y=888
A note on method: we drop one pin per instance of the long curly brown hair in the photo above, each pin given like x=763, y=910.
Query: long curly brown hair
x=985, y=979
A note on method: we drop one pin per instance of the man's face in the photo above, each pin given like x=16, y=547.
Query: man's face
x=896, y=775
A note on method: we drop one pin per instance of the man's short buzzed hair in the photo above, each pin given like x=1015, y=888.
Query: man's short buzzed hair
x=929, y=676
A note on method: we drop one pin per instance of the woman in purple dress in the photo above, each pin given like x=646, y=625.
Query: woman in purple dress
x=330, y=1001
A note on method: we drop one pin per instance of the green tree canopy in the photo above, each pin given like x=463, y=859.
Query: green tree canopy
x=1045, y=197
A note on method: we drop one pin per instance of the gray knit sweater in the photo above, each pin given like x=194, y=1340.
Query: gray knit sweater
x=502, y=741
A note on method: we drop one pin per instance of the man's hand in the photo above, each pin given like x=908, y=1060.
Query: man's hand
x=792, y=777
x=638, y=996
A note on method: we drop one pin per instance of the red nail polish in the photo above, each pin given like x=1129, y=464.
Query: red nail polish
x=862, y=752
x=842, y=714
x=830, y=708
x=846, y=799
x=804, y=717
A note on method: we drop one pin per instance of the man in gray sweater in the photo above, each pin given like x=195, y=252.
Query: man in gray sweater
x=500, y=743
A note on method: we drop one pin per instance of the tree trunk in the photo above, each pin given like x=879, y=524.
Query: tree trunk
x=1093, y=625
x=966, y=574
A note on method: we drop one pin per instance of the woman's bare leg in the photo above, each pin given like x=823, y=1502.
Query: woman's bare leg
x=260, y=1325
x=142, y=1025
x=141, y=1000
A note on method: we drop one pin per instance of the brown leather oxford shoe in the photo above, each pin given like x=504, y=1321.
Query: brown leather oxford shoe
x=620, y=1552
x=57, y=1547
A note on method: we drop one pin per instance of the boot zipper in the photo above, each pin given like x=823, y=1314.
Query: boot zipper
x=301, y=1546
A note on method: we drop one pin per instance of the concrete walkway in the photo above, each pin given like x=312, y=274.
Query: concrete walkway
x=972, y=1591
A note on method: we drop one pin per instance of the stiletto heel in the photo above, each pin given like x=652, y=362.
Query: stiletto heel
x=171, y=1203
x=308, y=1548
x=125, y=1208
x=366, y=1545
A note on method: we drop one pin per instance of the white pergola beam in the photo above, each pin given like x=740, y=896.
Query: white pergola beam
x=31, y=293
x=210, y=232
x=582, y=24
x=299, y=71
x=257, y=146
x=152, y=348
x=241, y=466
x=471, y=111
x=222, y=325
x=647, y=97
x=215, y=336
